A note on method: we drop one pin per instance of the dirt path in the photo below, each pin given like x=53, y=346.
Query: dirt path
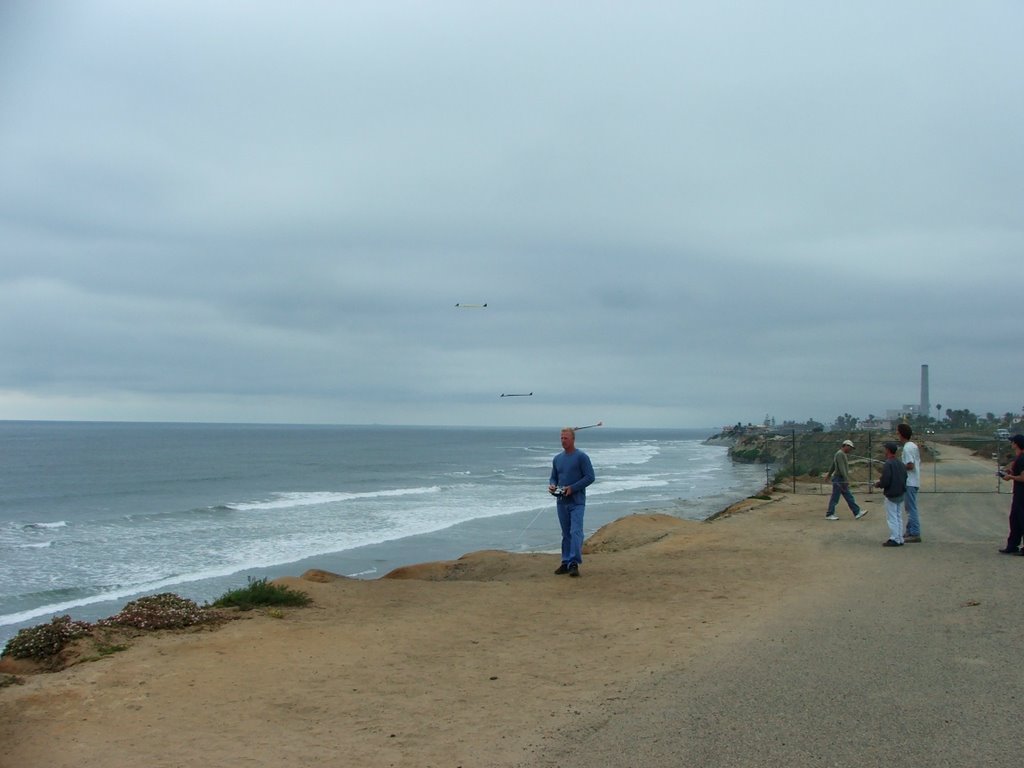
x=887, y=657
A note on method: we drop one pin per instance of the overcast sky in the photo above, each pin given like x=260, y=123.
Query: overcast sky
x=678, y=214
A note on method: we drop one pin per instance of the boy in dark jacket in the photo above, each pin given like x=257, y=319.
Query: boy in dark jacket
x=893, y=483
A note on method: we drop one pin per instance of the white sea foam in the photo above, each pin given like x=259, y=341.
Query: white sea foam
x=632, y=453
x=607, y=457
x=313, y=498
x=610, y=485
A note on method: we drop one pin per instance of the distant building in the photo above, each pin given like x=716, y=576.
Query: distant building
x=876, y=423
x=905, y=410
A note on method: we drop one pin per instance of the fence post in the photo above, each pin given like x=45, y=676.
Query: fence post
x=935, y=471
x=995, y=453
x=871, y=465
x=794, y=462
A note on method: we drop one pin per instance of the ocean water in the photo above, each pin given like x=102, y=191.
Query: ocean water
x=95, y=514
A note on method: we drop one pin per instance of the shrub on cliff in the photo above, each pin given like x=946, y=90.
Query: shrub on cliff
x=163, y=611
x=260, y=593
x=45, y=640
x=751, y=455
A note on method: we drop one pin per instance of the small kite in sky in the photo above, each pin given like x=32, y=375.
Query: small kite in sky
x=519, y=394
x=471, y=306
x=588, y=426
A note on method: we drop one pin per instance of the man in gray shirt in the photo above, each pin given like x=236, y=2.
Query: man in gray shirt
x=840, y=474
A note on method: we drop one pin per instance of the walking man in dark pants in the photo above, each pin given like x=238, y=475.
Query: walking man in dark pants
x=840, y=474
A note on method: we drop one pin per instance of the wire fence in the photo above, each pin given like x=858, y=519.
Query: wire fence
x=963, y=465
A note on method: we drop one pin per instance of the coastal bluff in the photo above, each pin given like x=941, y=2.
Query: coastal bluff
x=679, y=635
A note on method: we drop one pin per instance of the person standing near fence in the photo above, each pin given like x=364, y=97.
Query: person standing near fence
x=1015, y=471
x=840, y=474
x=893, y=483
x=911, y=458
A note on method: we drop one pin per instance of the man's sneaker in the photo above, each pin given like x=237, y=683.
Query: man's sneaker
x=563, y=568
x=831, y=517
x=860, y=514
x=891, y=543
x=574, y=570
x=912, y=539
x=1009, y=551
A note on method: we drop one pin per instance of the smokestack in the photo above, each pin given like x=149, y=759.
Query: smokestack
x=926, y=406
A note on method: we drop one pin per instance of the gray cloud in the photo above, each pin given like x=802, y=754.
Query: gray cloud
x=677, y=216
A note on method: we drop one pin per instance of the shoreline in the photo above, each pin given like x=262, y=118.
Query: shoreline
x=65, y=553
x=483, y=581
x=401, y=568
x=507, y=533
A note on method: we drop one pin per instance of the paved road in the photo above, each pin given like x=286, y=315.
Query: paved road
x=897, y=657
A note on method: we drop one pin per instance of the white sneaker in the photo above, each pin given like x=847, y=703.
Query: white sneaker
x=860, y=514
x=831, y=517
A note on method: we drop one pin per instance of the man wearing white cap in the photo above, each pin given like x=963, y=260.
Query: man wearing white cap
x=840, y=474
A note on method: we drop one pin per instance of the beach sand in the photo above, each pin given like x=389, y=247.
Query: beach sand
x=767, y=636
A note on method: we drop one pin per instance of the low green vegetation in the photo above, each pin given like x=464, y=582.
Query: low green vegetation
x=260, y=593
x=748, y=455
x=107, y=649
